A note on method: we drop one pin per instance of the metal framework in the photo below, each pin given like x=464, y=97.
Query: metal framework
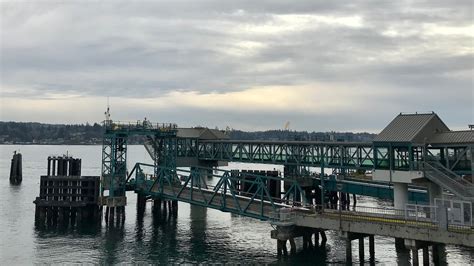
x=114, y=153
x=341, y=155
x=255, y=201
x=254, y=198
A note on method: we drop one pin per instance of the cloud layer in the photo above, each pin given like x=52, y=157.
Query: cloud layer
x=324, y=65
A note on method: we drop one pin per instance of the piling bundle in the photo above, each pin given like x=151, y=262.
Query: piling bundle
x=243, y=182
x=66, y=197
x=16, y=174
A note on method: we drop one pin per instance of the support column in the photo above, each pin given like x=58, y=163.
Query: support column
x=324, y=239
x=426, y=256
x=400, y=195
x=361, y=250
x=400, y=243
x=439, y=254
x=348, y=251
x=141, y=204
x=414, y=252
x=279, y=248
x=372, y=248
x=434, y=191
x=156, y=206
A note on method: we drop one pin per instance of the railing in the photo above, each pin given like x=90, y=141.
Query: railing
x=423, y=216
x=421, y=213
x=139, y=125
x=254, y=199
x=283, y=216
x=444, y=177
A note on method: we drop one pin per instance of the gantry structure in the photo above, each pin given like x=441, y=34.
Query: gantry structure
x=412, y=149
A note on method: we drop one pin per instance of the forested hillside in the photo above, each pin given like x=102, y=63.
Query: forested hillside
x=37, y=133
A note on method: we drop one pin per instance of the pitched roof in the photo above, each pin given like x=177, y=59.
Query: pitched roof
x=201, y=133
x=414, y=128
x=453, y=137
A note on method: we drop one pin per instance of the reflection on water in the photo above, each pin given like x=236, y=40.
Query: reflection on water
x=197, y=235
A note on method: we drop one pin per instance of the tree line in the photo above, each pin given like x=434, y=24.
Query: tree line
x=39, y=133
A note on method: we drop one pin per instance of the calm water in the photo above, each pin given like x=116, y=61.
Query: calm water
x=198, y=235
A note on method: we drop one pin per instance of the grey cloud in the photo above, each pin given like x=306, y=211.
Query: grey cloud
x=145, y=49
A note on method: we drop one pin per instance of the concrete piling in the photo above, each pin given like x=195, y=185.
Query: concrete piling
x=372, y=248
x=361, y=249
x=416, y=245
x=414, y=253
x=348, y=251
x=356, y=236
x=426, y=256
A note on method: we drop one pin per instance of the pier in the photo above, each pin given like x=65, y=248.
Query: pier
x=416, y=161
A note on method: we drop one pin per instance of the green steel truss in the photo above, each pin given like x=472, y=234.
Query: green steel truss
x=169, y=182
x=114, y=164
x=255, y=201
x=341, y=155
x=114, y=151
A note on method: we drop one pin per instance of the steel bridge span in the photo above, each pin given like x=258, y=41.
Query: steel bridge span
x=439, y=165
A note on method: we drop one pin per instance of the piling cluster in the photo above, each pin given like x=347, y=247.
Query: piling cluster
x=165, y=207
x=160, y=207
x=66, y=198
x=64, y=166
x=245, y=179
x=16, y=173
x=287, y=233
x=115, y=216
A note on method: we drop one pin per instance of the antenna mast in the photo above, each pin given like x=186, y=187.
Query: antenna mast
x=108, y=121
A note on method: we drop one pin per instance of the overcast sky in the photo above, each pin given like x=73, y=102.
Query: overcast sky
x=252, y=65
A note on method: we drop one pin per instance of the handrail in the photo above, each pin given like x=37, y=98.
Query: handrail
x=115, y=125
x=452, y=182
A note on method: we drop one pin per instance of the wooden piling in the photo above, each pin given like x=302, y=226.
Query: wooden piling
x=66, y=198
x=16, y=172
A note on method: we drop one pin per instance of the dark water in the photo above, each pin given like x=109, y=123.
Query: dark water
x=198, y=235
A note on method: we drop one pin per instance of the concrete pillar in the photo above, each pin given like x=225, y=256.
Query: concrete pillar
x=200, y=176
x=400, y=195
x=279, y=248
x=414, y=253
x=426, y=256
x=305, y=241
x=324, y=239
x=348, y=251
x=399, y=243
x=439, y=254
x=282, y=247
x=361, y=250
x=372, y=248
x=434, y=191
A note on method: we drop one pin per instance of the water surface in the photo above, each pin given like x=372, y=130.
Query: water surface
x=198, y=235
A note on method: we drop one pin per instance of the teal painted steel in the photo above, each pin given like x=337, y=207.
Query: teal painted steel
x=339, y=155
x=165, y=148
x=114, y=151
x=256, y=201
x=373, y=189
